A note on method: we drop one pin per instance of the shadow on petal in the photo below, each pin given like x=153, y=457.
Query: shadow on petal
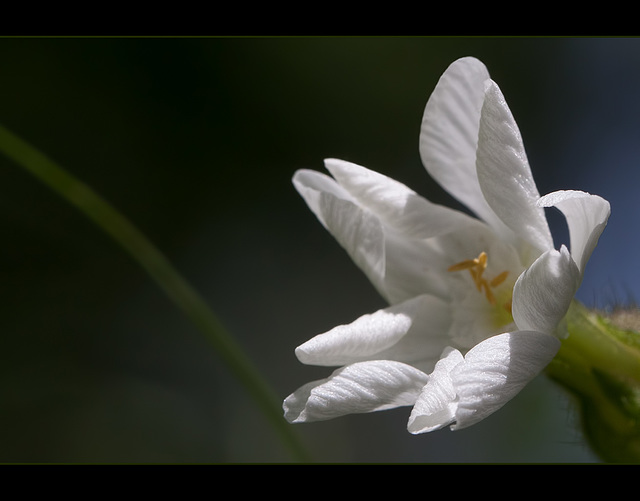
x=495, y=371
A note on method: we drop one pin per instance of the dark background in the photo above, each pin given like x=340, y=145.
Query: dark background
x=196, y=140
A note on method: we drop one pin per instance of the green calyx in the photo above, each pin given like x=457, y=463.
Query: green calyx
x=599, y=363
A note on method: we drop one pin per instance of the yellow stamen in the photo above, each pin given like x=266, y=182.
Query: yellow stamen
x=477, y=278
x=482, y=260
x=488, y=293
x=464, y=265
x=499, y=279
x=476, y=268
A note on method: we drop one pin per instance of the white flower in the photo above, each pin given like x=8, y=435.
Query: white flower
x=476, y=304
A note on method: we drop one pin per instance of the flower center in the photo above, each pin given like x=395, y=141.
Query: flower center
x=477, y=268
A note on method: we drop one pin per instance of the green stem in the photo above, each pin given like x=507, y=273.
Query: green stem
x=160, y=270
x=600, y=364
x=594, y=344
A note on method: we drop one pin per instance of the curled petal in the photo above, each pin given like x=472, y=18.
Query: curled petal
x=495, y=370
x=586, y=215
x=310, y=184
x=504, y=173
x=395, y=204
x=412, y=331
x=357, y=388
x=437, y=404
x=543, y=293
x=356, y=230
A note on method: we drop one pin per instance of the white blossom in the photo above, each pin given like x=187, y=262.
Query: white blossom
x=475, y=303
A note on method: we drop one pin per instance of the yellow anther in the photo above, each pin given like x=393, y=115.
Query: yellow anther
x=482, y=260
x=464, y=265
x=499, y=279
x=476, y=268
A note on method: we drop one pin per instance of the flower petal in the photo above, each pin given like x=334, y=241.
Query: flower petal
x=414, y=331
x=586, y=216
x=414, y=267
x=449, y=134
x=495, y=370
x=543, y=293
x=395, y=204
x=504, y=174
x=399, y=265
x=357, y=388
x=437, y=404
x=356, y=230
